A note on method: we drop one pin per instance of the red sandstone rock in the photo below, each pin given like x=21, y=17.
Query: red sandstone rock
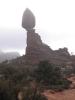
x=36, y=50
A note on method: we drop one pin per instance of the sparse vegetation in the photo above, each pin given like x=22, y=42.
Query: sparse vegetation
x=45, y=75
x=51, y=76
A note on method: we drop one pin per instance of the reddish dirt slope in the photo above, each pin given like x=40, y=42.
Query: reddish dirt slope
x=65, y=95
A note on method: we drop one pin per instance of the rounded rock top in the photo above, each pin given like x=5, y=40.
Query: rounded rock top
x=28, y=20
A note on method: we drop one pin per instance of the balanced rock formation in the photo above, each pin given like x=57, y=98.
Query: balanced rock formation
x=36, y=50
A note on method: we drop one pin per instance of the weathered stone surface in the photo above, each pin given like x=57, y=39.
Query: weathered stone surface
x=36, y=50
x=28, y=20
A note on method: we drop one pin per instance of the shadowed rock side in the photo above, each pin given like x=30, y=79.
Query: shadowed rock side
x=36, y=50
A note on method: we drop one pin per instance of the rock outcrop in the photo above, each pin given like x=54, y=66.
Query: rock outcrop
x=36, y=50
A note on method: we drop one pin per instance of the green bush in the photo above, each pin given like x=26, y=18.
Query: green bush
x=50, y=75
x=7, y=90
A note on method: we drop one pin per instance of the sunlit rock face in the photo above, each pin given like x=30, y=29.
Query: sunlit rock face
x=28, y=20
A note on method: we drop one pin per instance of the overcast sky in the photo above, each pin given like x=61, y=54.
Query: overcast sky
x=55, y=22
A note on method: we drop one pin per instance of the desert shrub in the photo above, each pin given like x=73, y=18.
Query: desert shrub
x=17, y=75
x=30, y=93
x=47, y=73
x=63, y=84
x=50, y=75
x=7, y=91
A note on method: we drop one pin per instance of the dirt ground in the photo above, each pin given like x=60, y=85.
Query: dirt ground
x=65, y=95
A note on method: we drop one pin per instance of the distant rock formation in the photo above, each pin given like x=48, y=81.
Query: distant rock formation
x=8, y=56
x=36, y=50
